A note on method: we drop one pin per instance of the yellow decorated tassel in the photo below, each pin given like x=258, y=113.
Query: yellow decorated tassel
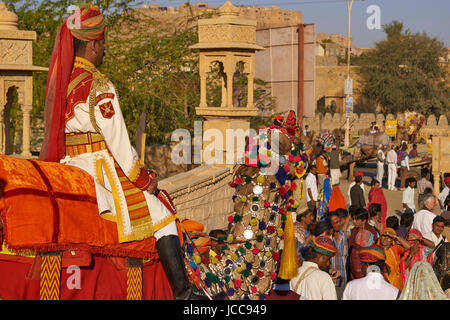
x=288, y=264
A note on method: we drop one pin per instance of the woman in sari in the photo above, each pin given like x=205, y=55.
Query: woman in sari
x=420, y=250
x=388, y=240
x=376, y=195
x=422, y=284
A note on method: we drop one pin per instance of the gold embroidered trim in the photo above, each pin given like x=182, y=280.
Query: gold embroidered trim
x=135, y=171
x=76, y=81
x=117, y=204
x=82, y=138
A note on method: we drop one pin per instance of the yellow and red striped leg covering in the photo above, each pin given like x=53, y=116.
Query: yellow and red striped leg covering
x=134, y=279
x=50, y=277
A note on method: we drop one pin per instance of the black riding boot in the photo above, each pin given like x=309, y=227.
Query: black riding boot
x=171, y=257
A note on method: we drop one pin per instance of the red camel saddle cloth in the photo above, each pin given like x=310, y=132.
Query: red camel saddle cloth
x=47, y=206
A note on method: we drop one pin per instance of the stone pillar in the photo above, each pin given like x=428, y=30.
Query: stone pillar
x=26, y=131
x=203, y=103
x=224, y=92
x=250, y=102
x=230, y=88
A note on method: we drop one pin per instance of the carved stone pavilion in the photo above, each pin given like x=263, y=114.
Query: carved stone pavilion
x=226, y=41
x=16, y=73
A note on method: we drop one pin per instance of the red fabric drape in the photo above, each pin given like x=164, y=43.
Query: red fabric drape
x=99, y=281
x=61, y=64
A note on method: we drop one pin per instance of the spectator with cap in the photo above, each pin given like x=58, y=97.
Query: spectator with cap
x=312, y=281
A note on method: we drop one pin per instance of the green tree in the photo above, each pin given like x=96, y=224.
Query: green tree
x=404, y=72
x=148, y=61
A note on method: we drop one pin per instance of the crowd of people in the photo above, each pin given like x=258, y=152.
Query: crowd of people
x=356, y=252
x=354, y=249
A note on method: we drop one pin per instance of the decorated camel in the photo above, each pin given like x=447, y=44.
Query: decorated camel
x=259, y=246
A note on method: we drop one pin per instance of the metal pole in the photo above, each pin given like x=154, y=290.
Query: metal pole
x=347, y=122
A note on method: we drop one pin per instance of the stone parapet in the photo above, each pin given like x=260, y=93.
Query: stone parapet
x=363, y=121
x=203, y=194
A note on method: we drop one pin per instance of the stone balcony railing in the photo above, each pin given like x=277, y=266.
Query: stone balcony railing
x=203, y=194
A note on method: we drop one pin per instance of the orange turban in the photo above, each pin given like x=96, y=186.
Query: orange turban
x=87, y=23
x=192, y=226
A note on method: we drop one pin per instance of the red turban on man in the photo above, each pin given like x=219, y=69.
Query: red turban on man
x=85, y=24
x=372, y=254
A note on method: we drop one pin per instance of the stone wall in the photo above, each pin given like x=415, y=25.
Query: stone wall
x=158, y=157
x=203, y=194
x=358, y=123
x=330, y=82
x=265, y=17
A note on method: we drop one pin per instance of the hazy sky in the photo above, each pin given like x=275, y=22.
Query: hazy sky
x=330, y=16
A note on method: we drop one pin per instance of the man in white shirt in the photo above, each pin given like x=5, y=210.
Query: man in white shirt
x=444, y=193
x=311, y=190
x=423, y=219
x=373, y=286
x=380, y=164
x=391, y=160
x=408, y=196
x=311, y=281
x=436, y=234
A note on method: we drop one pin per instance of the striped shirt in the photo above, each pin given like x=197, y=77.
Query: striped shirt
x=339, y=261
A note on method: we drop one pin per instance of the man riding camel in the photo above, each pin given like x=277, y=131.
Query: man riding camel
x=85, y=128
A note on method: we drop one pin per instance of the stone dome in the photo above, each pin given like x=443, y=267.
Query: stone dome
x=8, y=19
x=228, y=10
